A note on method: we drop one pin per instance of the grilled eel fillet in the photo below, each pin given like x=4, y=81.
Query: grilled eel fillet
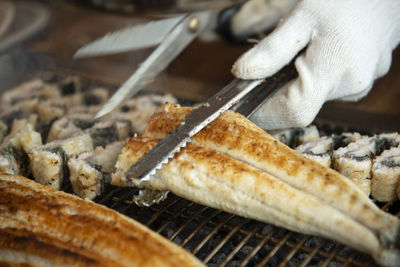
x=235, y=166
x=40, y=226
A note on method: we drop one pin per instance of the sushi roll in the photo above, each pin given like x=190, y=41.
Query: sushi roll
x=355, y=161
x=69, y=125
x=296, y=136
x=9, y=162
x=27, y=90
x=89, y=170
x=27, y=106
x=70, y=85
x=386, y=175
x=139, y=110
x=15, y=148
x=95, y=97
x=50, y=110
x=48, y=163
x=285, y=136
x=26, y=139
x=306, y=135
x=318, y=150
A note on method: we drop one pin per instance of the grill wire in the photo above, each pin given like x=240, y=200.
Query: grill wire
x=218, y=238
x=221, y=239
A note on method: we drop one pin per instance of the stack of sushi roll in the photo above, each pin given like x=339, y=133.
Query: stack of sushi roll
x=47, y=132
x=296, y=136
x=371, y=162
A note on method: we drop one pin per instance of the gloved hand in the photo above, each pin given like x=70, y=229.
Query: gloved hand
x=350, y=45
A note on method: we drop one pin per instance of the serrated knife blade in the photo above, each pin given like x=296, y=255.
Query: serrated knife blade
x=197, y=120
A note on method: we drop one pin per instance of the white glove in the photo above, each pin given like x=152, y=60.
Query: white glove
x=257, y=16
x=350, y=44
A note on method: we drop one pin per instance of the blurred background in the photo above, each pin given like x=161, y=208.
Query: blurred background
x=41, y=37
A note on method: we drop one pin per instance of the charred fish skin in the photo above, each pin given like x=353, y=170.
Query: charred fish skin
x=214, y=179
x=45, y=227
x=49, y=163
x=233, y=135
x=46, y=167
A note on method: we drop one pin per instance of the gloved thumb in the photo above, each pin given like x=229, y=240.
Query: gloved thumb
x=276, y=50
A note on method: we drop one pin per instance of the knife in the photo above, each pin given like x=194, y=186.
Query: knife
x=246, y=96
x=132, y=38
x=174, y=42
x=172, y=35
x=196, y=120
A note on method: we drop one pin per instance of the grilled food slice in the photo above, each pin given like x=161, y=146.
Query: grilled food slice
x=48, y=163
x=234, y=135
x=318, y=150
x=90, y=170
x=210, y=178
x=386, y=175
x=16, y=146
x=40, y=226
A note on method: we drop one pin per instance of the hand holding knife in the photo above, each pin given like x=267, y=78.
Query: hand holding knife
x=173, y=34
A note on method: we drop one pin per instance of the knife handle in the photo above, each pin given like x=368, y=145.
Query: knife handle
x=249, y=104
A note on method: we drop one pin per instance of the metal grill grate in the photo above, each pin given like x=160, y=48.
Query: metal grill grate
x=222, y=239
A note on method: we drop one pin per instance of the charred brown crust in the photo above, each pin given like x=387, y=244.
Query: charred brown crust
x=234, y=135
x=73, y=230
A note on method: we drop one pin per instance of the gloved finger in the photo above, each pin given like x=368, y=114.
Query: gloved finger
x=298, y=103
x=276, y=50
x=382, y=67
x=356, y=96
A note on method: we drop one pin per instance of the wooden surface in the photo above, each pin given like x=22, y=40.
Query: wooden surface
x=201, y=69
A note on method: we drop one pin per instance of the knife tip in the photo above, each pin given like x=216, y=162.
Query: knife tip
x=81, y=53
x=99, y=114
